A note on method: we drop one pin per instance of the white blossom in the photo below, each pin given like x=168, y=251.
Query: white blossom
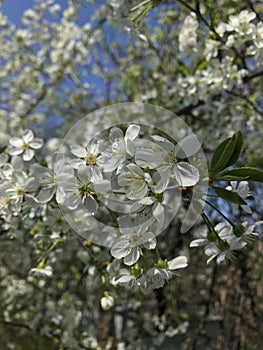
x=25, y=145
x=121, y=147
x=129, y=245
x=136, y=181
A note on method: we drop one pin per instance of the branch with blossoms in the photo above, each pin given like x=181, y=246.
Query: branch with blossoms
x=151, y=174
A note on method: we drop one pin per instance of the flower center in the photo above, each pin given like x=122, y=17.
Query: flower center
x=20, y=191
x=134, y=239
x=25, y=145
x=172, y=156
x=90, y=159
x=84, y=189
x=49, y=180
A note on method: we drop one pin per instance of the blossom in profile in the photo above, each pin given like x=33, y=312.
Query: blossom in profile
x=26, y=145
x=225, y=240
x=107, y=301
x=156, y=276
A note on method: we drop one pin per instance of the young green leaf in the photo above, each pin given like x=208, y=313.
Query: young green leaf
x=230, y=196
x=227, y=153
x=251, y=174
x=229, y=178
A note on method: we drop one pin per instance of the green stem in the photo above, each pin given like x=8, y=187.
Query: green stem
x=209, y=224
x=139, y=5
x=219, y=212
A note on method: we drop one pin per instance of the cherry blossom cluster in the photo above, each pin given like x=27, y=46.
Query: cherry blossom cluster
x=128, y=179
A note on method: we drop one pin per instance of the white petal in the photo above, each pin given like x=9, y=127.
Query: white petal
x=78, y=151
x=115, y=134
x=198, y=242
x=211, y=249
x=132, y=132
x=130, y=147
x=178, y=263
x=91, y=205
x=28, y=135
x=147, y=201
x=3, y=159
x=247, y=209
x=164, y=143
x=13, y=151
x=76, y=162
x=72, y=201
x=17, y=163
x=188, y=146
x=96, y=173
x=46, y=194
x=159, y=214
x=148, y=158
x=112, y=163
x=148, y=240
x=124, y=278
x=120, y=250
x=221, y=257
x=135, y=169
x=137, y=190
x=36, y=143
x=186, y=174
x=16, y=142
x=84, y=174
x=211, y=258
x=60, y=195
x=132, y=257
x=28, y=155
x=162, y=178
x=102, y=186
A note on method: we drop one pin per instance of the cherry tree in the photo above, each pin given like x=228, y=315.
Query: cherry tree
x=108, y=215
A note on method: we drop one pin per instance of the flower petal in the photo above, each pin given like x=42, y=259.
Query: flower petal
x=28, y=135
x=28, y=155
x=132, y=132
x=188, y=146
x=36, y=143
x=132, y=257
x=186, y=174
x=16, y=142
x=178, y=263
x=78, y=151
x=46, y=194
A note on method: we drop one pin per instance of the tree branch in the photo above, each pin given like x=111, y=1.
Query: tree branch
x=188, y=109
x=15, y=324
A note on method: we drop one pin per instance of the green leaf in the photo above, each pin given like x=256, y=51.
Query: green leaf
x=252, y=174
x=229, y=178
x=227, y=153
x=203, y=65
x=230, y=196
x=238, y=148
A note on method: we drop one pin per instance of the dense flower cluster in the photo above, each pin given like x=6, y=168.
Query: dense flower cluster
x=141, y=171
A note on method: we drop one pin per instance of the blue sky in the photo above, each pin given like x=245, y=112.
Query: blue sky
x=14, y=9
